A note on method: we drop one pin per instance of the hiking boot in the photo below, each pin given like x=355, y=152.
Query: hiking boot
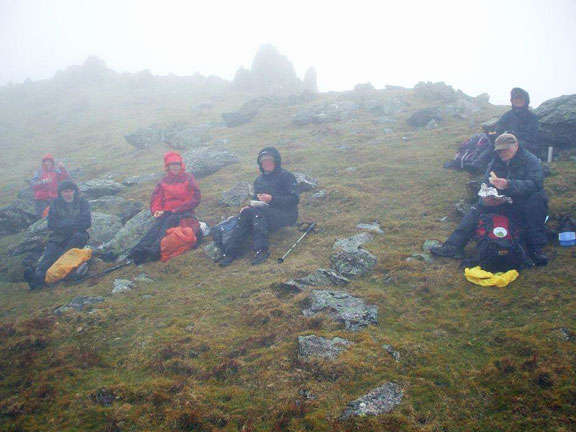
x=448, y=250
x=538, y=257
x=138, y=256
x=226, y=260
x=260, y=256
x=30, y=278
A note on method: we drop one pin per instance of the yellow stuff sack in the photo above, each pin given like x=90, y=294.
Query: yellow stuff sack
x=68, y=262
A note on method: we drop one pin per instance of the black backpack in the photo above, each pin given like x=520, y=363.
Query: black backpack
x=498, y=247
x=222, y=233
x=469, y=151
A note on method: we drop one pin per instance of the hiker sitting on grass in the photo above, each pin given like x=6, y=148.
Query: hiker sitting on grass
x=518, y=175
x=69, y=219
x=275, y=204
x=174, y=199
x=45, y=183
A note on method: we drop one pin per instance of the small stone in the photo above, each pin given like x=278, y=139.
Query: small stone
x=311, y=347
x=429, y=244
x=374, y=227
x=122, y=286
x=351, y=169
x=320, y=194
x=567, y=334
x=305, y=183
x=212, y=251
x=420, y=257
x=323, y=277
x=381, y=400
x=353, y=243
x=143, y=277
x=79, y=303
x=390, y=349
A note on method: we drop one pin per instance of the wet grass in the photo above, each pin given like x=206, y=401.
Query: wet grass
x=204, y=348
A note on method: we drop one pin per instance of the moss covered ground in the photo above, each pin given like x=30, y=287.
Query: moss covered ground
x=208, y=349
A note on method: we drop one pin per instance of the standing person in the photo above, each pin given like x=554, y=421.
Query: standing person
x=45, y=183
x=518, y=175
x=69, y=219
x=174, y=198
x=277, y=190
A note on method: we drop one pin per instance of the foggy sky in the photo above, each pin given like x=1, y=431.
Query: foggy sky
x=477, y=46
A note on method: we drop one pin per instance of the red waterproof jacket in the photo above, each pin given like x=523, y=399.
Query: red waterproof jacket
x=47, y=191
x=176, y=193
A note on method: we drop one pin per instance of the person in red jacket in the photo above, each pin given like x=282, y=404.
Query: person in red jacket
x=174, y=198
x=45, y=183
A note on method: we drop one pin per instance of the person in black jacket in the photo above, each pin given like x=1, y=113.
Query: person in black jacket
x=277, y=191
x=69, y=219
x=520, y=122
x=518, y=175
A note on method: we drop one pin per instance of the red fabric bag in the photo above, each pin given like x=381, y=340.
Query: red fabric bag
x=177, y=241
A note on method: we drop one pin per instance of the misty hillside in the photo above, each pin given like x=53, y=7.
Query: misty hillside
x=187, y=345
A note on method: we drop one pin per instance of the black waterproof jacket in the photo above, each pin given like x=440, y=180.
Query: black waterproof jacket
x=280, y=183
x=524, y=174
x=522, y=123
x=66, y=219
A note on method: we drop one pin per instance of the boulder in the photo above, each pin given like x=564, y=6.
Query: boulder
x=353, y=243
x=145, y=138
x=557, y=121
x=381, y=400
x=245, y=114
x=438, y=91
x=342, y=307
x=34, y=239
x=483, y=98
x=463, y=108
x=79, y=304
x=16, y=217
x=142, y=179
x=326, y=113
x=204, y=161
x=188, y=137
x=212, y=251
x=310, y=84
x=121, y=207
x=127, y=237
x=353, y=263
x=422, y=117
x=315, y=347
x=92, y=189
x=104, y=228
x=305, y=183
x=323, y=277
x=364, y=87
x=272, y=71
x=238, y=194
x=243, y=79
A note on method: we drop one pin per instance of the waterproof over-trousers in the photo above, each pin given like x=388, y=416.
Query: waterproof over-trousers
x=260, y=221
x=153, y=238
x=54, y=250
x=530, y=214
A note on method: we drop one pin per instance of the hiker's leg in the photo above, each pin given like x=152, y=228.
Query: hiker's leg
x=53, y=251
x=465, y=231
x=532, y=216
x=77, y=240
x=261, y=227
x=150, y=235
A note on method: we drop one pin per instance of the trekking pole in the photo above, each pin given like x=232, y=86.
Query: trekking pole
x=306, y=228
x=103, y=272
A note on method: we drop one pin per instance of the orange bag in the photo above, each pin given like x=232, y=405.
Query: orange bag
x=177, y=241
x=68, y=262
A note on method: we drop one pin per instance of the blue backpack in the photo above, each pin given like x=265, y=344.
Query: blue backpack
x=222, y=233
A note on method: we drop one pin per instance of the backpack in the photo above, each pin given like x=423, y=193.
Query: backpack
x=176, y=241
x=469, y=151
x=222, y=233
x=498, y=247
x=67, y=263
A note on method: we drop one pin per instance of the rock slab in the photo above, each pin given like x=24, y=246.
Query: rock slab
x=381, y=400
x=353, y=263
x=315, y=347
x=79, y=304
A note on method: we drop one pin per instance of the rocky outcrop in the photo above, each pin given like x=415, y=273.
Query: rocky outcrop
x=16, y=217
x=438, y=91
x=381, y=400
x=353, y=263
x=422, y=117
x=92, y=189
x=557, y=121
x=352, y=243
x=238, y=194
x=310, y=83
x=342, y=307
x=127, y=237
x=305, y=183
x=207, y=160
x=79, y=304
x=326, y=113
x=121, y=207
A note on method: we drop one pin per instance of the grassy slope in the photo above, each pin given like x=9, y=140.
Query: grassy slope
x=215, y=349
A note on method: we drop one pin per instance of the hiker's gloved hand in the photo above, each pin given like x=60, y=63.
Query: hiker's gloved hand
x=491, y=201
x=499, y=183
x=158, y=213
x=266, y=198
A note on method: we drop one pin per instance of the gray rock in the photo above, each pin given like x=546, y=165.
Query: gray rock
x=289, y=287
x=462, y=109
x=490, y=125
x=429, y=244
x=212, y=251
x=381, y=400
x=245, y=114
x=145, y=138
x=422, y=117
x=390, y=350
x=92, y=189
x=128, y=236
x=188, y=137
x=16, y=217
x=383, y=120
x=309, y=83
x=342, y=307
x=326, y=113
x=364, y=87
x=238, y=194
x=323, y=277
x=374, y=227
x=390, y=107
x=79, y=304
x=143, y=277
x=305, y=183
x=271, y=72
x=208, y=160
x=355, y=263
x=320, y=194
x=557, y=121
x=121, y=207
x=122, y=286
x=431, y=125
x=142, y=179
x=483, y=98
x=104, y=228
x=567, y=334
x=420, y=257
x=353, y=243
x=351, y=169
x=26, y=194
x=33, y=240
x=435, y=91
x=315, y=347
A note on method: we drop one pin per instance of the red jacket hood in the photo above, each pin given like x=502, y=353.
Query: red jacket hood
x=173, y=157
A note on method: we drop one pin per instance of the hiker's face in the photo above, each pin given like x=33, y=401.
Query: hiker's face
x=268, y=165
x=518, y=102
x=68, y=195
x=174, y=168
x=508, y=154
x=47, y=165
